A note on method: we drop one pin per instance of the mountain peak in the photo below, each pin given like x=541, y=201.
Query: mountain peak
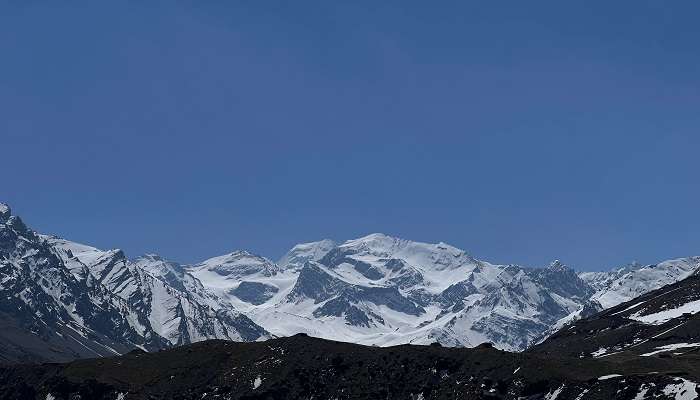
x=377, y=237
x=303, y=252
x=373, y=240
x=5, y=212
x=242, y=253
x=238, y=263
x=150, y=257
x=557, y=265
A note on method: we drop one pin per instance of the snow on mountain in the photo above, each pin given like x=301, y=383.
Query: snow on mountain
x=233, y=266
x=49, y=311
x=165, y=298
x=170, y=272
x=624, y=284
x=304, y=252
x=241, y=278
x=79, y=301
x=383, y=290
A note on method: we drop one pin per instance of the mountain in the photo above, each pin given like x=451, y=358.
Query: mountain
x=302, y=367
x=374, y=290
x=63, y=300
x=383, y=290
x=51, y=311
x=663, y=323
x=172, y=302
x=624, y=284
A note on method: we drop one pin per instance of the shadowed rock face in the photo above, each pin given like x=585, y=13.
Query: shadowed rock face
x=254, y=292
x=314, y=283
x=339, y=256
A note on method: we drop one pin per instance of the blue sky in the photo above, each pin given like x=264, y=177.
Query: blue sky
x=521, y=132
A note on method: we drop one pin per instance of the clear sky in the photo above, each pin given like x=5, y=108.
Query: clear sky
x=519, y=131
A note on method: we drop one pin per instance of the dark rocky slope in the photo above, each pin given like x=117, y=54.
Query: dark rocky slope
x=664, y=323
x=301, y=367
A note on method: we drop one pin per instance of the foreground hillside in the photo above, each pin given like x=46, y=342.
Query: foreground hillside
x=301, y=367
x=664, y=323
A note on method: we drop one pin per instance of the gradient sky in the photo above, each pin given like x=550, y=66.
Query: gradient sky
x=521, y=132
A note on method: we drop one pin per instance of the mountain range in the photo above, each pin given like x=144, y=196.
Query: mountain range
x=61, y=300
x=643, y=349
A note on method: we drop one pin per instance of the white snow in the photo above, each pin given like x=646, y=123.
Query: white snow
x=437, y=266
x=660, y=317
x=611, y=376
x=257, y=382
x=553, y=395
x=624, y=284
x=304, y=252
x=235, y=265
x=642, y=393
x=599, y=352
x=671, y=347
x=683, y=390
x=635, y=305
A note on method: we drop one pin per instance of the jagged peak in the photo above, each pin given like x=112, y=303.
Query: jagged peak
x=150, y=257
x=245, y=254
x=12, y=221
x=153, y=259
x=5, y=212
x=113, y=254
x=557, y=265
x=235, y=255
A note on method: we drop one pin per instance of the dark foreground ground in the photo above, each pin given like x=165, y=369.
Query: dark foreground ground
x=301, y=367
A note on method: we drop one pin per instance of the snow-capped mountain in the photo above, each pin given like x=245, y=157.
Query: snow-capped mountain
x=376, y=289
x=626, y=283
x=79, y=301
x=167, y=299
x=383, y=290
x=662, y=323
x=64, y=308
